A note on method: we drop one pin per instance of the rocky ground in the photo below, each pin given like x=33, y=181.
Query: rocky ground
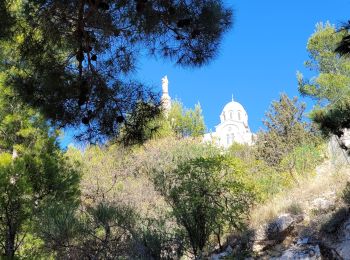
x=320, y=231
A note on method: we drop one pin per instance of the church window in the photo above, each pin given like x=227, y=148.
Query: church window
x=231, y=115
x=239, y=115
x=228, y=139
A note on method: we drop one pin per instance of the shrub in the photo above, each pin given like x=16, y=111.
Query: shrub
x=159, y=239
x=302, y=160
x=285, y=130
x=100, y=232
x=295, y=208
x=205, y=194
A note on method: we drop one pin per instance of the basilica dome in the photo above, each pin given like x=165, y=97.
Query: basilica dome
x=233, y=105
x=232, y=128
x=234, y=111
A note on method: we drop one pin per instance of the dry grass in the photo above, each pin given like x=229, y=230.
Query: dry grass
x=328, y=183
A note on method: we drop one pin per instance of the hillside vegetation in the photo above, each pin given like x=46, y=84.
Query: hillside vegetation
x=176, y=196
x=158, y=191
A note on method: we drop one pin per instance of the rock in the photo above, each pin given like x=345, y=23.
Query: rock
x=228, y=251
x=322, y=204
x=345, y=138
x=274, y=253
x=306, y=252
x=280, y=227
x=342, y=247
x=303, y=241
x=275, y=232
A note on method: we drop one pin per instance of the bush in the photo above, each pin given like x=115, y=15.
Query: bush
x=205, y=194
x=160, y=240
x=302, y=160
x=295, y=208
x=100, y=232
x=285, y=130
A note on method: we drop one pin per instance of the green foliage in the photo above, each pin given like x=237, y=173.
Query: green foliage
x=285, y=130
x=103, y=231
x=330, y=86
x=33, y=171
x=242, y=151
x=186, y=122
x=205, y=193
x=121, y=182
x=77, y=68
x=178, y=122
x=6, y=19
x=266, y=181
x=302, y=160
x=108, y=231
x=161, y=127
x=160, y=240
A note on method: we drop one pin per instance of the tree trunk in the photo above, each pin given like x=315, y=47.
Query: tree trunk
x=10, y=242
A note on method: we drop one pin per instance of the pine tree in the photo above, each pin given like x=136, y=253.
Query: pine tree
x=330, y=86
x=285, y=130
x=73, y=59
x=33, y=171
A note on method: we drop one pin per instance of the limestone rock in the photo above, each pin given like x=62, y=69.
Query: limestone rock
x=342, y=247
x=345, y=138
x=322, y=204
x=228, y=251
x=280, y=227
x=305, y=252
x=275, y=232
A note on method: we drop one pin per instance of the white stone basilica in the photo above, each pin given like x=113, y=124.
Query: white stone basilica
x=234, y=122
x=233, y=127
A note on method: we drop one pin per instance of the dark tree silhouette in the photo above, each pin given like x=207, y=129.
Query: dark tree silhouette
x=76, y=57
x=343, y=47
x=6, y=20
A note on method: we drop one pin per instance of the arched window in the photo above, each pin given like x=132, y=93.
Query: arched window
x=239, y=115
x=228, y=139
x=231, y=115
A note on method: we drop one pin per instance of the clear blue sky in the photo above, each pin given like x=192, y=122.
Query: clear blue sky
x=257, y=60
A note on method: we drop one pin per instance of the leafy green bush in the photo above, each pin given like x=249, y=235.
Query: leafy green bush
x=285, y=130
x=302, y=160
x=100, y=232
x=205, y=194
x=186, y=122
x=160, y=239
x=108, y=231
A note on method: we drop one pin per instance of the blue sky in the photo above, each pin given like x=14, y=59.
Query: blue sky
x=257, y=60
